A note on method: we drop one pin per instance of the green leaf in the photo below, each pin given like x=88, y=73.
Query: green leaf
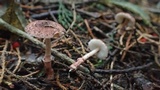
x=131, y=7
x=14, y=16
x=100, y=62
x=65, y=16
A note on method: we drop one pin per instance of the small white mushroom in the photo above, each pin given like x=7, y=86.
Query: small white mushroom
x=126, y=22
x=97, y=47
x=45, y=29
x=122, y=17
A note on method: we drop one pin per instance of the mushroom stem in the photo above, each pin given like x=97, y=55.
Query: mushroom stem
x=122, y=31
x=121, y=26
x=82, y=59
x=47, y=59
x=48, y=50
x=125, y=22
x=86, y=56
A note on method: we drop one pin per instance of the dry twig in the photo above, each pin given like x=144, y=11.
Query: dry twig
x=114, y=71
x=22, y=79
x=59, y=84
x=3, y=61
x=89, y=29
x=19, y=60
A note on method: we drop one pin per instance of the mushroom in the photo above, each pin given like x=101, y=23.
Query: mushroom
x=124, y=19
x=97, y=47
x=126, y=22
x=45, y=29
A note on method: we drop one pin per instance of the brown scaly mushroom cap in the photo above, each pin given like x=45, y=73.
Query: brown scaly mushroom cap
x=121, y=16
x=44, y=29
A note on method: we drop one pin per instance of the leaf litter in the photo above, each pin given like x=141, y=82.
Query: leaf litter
x=131, y=65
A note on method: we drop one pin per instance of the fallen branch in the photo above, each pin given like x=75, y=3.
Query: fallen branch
x=122, y=71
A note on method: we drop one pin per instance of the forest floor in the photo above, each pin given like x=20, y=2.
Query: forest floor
x=133, y=61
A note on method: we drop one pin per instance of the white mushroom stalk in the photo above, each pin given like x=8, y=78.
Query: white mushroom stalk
x=97, y=47
x=86, y=56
